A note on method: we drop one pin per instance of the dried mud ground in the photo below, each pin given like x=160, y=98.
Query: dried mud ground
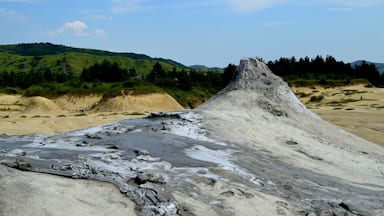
x=357, y=109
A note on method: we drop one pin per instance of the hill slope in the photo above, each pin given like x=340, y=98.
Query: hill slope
x=39, y=57
x=379, y=66
x=41, y=49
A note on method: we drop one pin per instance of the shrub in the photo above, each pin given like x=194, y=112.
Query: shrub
x=316, y=98
x=34, y=91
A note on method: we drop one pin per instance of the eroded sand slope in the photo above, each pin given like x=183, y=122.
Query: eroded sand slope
x=39, y=115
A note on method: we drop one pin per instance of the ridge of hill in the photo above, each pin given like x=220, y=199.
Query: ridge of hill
x=43, y=49
x=203, y=68
x=379, y=66
x=24, y=58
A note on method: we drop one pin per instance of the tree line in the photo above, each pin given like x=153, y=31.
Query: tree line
x=112, y=72
x=35, y=76
x=320, y=69
x=324, y=69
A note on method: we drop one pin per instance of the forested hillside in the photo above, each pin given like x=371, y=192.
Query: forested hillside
x=325, y=71
x=50, y=70
x=42, y=49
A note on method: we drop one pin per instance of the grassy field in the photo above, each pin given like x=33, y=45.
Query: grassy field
x=74, y=62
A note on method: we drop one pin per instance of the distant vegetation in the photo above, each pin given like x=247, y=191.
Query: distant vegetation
x=328, y=71
x=379, y=66
x=50, y=70
x=43, y=49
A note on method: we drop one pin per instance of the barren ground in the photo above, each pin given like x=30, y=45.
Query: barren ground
x=357, y=109
x=38, y=115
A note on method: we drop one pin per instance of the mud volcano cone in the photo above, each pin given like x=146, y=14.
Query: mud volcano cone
x=254, y=86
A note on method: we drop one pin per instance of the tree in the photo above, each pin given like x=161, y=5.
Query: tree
x=228, y=74
x=106, y=72
x=369, y=72
x=156, y=73
x=184, y=81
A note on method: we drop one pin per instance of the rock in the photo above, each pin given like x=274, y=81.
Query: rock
x=18, y=164
x=111, y=146
x=141, y=152
x=143, y=178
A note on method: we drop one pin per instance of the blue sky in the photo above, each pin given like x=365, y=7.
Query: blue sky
x=208, y=32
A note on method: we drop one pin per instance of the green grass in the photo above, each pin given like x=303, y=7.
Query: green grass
x=315, y=99
x=302, y=94
x=341, y=102
x=74, y=62
x=349, y=100
x=188, y=99
x=335, y=104
x=134, y=113
x=80, y=114
x=318, y=80
x=191, y=98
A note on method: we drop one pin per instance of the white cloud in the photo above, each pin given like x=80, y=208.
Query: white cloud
x=273, y=23
x=12, y=15
x=76, y=28
x=340, y=9
x=334, y=5
x=96, y=15
x=241, y=6
x=100, y=33
x=356, y=3
x=18, y=1
x=126, y=6
x=102, y=17
x=252, y=5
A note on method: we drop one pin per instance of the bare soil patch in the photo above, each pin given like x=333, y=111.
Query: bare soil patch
x=357, y=109
x=29, y=115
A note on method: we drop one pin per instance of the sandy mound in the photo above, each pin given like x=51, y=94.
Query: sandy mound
x=41, y=105
x=38, y=115
x=10, y=99
x=72, y=103
x=140, y=103
x=12, y=103
x=76, y=103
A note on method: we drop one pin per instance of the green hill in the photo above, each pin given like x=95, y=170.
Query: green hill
x=42, y=49
x=205, y=68
x=24, y=58
x=379, y=66
x=46, y=69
